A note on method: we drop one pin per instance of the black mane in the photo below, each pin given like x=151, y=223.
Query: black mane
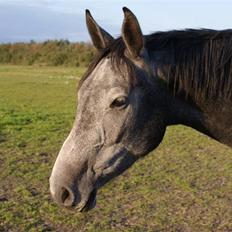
x=199, y=61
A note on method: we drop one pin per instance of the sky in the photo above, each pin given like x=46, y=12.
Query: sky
x=39, y=20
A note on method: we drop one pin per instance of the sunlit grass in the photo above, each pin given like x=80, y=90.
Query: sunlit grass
x=185, y=185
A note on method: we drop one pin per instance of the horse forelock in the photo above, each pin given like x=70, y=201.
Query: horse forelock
x=119, y=61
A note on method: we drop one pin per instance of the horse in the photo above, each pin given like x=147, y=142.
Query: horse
x=135, y=87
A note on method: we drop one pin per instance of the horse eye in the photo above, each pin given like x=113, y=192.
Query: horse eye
x=119, y=102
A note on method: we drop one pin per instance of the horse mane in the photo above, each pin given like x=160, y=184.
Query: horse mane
x=198, y=62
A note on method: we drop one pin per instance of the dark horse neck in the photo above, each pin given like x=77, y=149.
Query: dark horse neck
x=210, y=117
x=196, y=67
x=180, y=111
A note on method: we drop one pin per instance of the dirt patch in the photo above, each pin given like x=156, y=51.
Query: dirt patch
x=44, y=157
x=3, y=198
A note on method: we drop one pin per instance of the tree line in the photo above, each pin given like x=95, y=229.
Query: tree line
x=48, y=53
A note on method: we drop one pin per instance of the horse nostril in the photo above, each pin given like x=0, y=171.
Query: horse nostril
x=67, y=197
x=64, y=195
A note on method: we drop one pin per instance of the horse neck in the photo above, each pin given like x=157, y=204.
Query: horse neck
x=210, y=92
x=182, y=111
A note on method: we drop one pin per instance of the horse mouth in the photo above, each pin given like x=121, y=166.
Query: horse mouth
x=90, y=203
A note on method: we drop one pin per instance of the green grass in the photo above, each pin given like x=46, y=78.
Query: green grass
x=185, y=185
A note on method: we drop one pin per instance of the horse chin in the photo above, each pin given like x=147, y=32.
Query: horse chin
x=90, y=203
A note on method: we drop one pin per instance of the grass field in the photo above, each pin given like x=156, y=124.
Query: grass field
x=185, y=185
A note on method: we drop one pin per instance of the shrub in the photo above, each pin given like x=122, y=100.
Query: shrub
x=50, y=52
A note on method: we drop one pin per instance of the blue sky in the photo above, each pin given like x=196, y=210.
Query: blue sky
x=23, y=20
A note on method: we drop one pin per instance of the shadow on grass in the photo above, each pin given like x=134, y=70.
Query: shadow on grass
x=2, y=136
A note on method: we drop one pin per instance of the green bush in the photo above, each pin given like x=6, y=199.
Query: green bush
x=49, y=53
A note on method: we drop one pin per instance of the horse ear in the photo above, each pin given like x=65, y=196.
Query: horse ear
x=132, y=34
x=100, y=37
